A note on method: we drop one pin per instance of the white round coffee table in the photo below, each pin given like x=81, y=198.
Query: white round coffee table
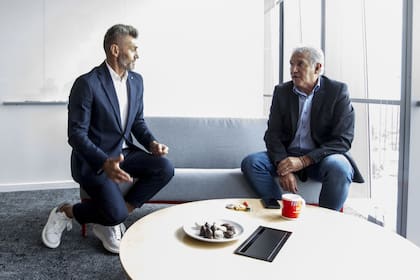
x=324, y=244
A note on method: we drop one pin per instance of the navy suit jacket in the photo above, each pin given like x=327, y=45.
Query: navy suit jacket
x=332, y=122
x=95, y=132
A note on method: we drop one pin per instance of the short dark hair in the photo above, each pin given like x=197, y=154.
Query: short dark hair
x=117, y=31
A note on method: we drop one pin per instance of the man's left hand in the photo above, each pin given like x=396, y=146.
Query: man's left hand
x=158, y=149
x=289, y=165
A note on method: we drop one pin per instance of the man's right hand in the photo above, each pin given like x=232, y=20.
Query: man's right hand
x=114, y=172
x=288, y=183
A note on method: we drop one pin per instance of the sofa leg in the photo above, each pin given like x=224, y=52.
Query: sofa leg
x=84, y=226
x=84, y=230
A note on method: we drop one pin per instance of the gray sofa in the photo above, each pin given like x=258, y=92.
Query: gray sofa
x=207, y=154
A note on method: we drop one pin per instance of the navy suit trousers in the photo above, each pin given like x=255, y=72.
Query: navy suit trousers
x=107, y=205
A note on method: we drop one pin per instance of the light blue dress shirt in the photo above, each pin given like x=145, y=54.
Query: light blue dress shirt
x=303, y=141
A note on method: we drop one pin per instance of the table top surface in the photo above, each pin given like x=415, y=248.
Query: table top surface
x=324, y=244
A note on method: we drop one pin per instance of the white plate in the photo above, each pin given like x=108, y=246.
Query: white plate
x=193, y=230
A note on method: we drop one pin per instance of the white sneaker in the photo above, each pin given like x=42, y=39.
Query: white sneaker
x=110, y=236
x=53, y=229
x=123, y=229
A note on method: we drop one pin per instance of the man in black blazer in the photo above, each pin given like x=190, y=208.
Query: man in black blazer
x=310, y=131
x=105, y=111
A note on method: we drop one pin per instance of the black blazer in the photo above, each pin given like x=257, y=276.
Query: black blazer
x=94, y=123
x=332, y=122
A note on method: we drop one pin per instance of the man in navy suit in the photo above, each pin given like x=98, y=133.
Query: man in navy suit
x=310, y=131
x=105, y=111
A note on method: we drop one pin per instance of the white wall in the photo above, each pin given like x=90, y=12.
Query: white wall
x=33, y=145
x=198, y=58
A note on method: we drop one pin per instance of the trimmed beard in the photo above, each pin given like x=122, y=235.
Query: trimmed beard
x=126, y=66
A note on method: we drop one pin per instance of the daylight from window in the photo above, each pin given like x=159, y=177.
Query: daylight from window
x=363, y=40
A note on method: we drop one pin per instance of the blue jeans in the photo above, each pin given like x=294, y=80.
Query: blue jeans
x=334, y=172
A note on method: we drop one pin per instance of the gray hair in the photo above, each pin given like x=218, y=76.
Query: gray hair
x=315, y=55
x=114, y=34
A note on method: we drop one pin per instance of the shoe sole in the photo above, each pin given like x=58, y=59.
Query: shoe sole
x=44, y=239
x=106, y=246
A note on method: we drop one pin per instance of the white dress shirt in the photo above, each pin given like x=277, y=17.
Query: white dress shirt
x=120, y=85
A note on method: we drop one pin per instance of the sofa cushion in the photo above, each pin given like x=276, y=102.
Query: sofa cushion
x=309, y=190
x=209, y=142
x=191, y=184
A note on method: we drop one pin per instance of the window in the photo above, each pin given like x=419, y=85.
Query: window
x=362, y=48
x=360, y=52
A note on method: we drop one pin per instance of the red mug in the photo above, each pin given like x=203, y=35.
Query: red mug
x=292, y=205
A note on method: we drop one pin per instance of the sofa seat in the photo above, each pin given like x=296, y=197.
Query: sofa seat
x=191, y=184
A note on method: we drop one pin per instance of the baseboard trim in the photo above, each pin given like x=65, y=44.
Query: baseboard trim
x=38, y=186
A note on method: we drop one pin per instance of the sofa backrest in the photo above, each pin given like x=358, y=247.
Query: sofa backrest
x=208, y=142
